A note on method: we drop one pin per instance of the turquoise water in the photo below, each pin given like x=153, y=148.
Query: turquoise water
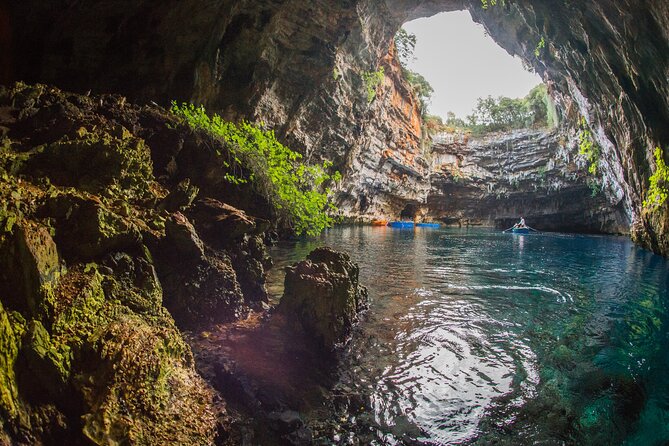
x=478, y=337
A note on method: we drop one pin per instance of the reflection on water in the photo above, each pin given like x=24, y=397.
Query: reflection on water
x=480, y=337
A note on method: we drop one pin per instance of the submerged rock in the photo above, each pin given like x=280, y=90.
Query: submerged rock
x=323, y=296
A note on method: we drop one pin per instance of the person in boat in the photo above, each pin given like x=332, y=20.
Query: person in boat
x=520, y=224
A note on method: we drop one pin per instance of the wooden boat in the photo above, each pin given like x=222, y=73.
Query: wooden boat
x=401, y=224
x=428, y=225
x=379, y=222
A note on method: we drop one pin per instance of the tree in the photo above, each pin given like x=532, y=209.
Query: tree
x=405, y=43
x=421, y=88
x=502, y=113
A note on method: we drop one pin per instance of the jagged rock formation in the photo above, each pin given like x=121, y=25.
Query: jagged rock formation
x=323, y=297
x=94, y=251
x=493, y=180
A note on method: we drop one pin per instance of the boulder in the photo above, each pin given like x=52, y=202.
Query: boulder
x=180, y=198
x=323, y=297
x=87, y=229
x=29, y=264
x=44, y=368
x=181, y=235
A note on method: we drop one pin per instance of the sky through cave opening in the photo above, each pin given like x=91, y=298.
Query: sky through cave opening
x=462, y=63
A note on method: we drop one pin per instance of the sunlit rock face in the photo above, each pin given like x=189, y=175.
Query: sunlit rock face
x=492, y=181
x=298, y=66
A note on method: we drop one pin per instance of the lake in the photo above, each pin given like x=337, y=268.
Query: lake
x=479, y=337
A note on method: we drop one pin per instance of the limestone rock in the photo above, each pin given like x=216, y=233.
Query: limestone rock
x=220, y=224
x=9, y=348
x=323, y=295
x=87, y=229
x=181, y=234
x=180, y=197
x=45, y=368
x=298, y=67
x=30, y=264
x=496, y=179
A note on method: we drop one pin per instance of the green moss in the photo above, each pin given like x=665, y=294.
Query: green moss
x=48, y=363
x=9, y=348
x=146, y=400
x=658, y=189
x=95, y=161
x=100, y=333
x=80, y=308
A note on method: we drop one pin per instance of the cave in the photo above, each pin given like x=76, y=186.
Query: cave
x=409, y=212
x=289, y=85
x=133, y=263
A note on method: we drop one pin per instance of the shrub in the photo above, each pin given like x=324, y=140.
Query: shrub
x=588, y=147
x=659, y=184
x=276, y=172
x=372, y=79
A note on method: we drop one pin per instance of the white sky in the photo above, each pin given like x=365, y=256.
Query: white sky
x=462, y=63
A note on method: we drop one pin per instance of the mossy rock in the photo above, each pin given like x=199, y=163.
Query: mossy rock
x=29, y=266
x=44, y=367
x=87, y=229
x=94, y=160
x=134, y=283
x=9, y=349
x=144, y=389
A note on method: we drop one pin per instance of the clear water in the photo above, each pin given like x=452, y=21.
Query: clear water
x=478, y=337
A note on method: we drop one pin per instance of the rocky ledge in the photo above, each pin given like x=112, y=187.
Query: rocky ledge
x=108, y=244
x=538, y=174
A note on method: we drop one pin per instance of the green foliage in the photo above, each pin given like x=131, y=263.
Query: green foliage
x=595, y=187
x=540, y=46
x=372, y=79
x=537, y=109
x=274, y=170
x=499, y=114
x=421, y=88
x=659, y=184
x=488, y=3
x=588, y=147
x=405, y=43
x=336, y=74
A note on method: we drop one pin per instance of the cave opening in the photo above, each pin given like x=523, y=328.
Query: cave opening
x=409, y=212
x=461, y=64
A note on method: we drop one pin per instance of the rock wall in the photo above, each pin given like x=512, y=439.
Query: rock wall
x=107, y=249
x=298, y=66
x=494, y=180
x=606, y=61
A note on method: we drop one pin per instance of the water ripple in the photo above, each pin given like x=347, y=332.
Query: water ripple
x=481, y=337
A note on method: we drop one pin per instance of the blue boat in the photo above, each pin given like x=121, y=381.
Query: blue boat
x=401, y=224
x=520, y=230
x=428, y=225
